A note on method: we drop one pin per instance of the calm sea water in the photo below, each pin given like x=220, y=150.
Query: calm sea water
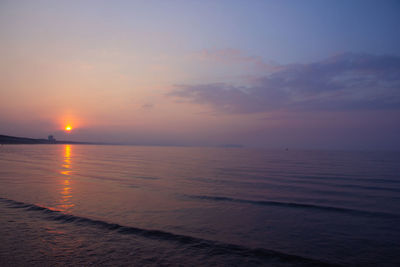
x=130, y=205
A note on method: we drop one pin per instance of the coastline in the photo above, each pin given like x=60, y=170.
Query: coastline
x=14, y=140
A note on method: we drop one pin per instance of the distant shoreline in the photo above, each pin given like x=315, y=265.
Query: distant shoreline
x=16, y=140
x=12, y=140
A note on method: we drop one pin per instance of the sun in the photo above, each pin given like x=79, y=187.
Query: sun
x=68, y=128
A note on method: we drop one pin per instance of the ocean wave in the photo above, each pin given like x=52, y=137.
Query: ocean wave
x=299, y=205
x=348, y=178
x=212, y=247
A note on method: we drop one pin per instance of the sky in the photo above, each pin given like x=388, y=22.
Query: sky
x=274, y=74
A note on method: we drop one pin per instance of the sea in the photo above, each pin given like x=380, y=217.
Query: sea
x=104, y=205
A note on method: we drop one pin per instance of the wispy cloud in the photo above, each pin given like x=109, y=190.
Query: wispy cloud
x=148, y=106
x=235, y=56
x=346, y=81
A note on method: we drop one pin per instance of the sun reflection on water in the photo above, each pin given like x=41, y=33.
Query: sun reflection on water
x=66, y=190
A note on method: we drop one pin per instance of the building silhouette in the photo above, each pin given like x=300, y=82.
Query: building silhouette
x=51, y=139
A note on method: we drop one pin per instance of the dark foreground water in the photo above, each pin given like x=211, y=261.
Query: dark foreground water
x=127, y=205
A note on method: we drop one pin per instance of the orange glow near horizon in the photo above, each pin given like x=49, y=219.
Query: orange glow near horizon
x=68, y=128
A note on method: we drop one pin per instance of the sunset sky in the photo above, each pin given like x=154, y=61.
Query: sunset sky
x=276, y=74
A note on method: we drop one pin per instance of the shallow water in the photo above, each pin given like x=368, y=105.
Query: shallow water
x=115, y=205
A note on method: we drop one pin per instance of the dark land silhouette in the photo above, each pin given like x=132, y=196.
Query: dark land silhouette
x=6, y=139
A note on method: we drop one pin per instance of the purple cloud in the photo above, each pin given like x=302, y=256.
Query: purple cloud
x=343, y=82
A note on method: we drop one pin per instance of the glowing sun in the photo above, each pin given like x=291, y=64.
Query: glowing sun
x=68, y=128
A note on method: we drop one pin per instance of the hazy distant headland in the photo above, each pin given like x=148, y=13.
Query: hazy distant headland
x=6, y=139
